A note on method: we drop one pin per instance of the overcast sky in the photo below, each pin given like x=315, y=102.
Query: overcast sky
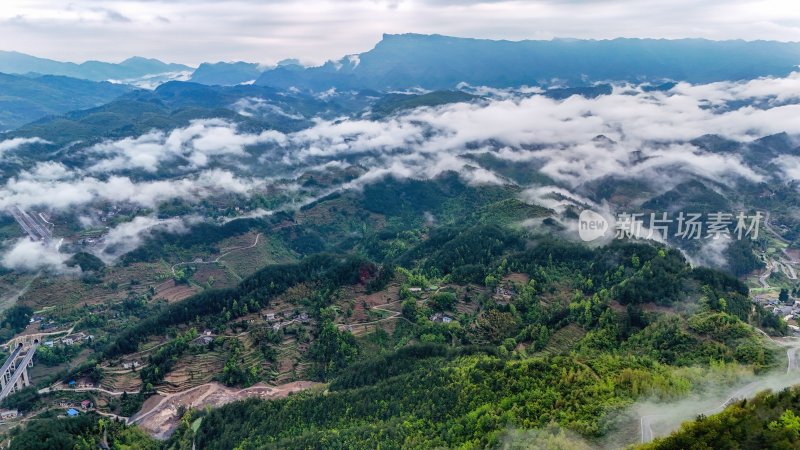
x=193, y=31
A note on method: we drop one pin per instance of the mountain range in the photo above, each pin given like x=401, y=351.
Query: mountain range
x=131, y=68
x=440, y=62
x=405, y=62
x=432, y=62
x=226, y=74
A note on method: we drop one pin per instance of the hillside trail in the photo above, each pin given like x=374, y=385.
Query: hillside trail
x=218, y=258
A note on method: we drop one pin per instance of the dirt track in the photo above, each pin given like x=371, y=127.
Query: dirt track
x=159, y=419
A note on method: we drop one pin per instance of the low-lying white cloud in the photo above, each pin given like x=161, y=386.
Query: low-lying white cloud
x=30, y=190
x=646, y=136
x=15, y=143
x=27, y=255
x=127, y=236
x=255, y=106
x=193, y=146
x=789, y=166
x=646, y=132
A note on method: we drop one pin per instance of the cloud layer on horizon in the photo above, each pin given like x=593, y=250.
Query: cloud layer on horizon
x=646, y=136
x=644, y=132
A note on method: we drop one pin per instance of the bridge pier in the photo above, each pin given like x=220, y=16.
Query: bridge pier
x=24, y=379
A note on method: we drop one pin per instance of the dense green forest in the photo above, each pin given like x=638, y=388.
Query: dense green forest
x=770, y=420
x=80, y=433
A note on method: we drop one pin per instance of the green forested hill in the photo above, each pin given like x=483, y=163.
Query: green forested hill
x=467, y=402
x=24, y=99
x=492, y=378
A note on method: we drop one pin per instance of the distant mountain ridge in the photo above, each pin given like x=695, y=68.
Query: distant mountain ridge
x=24, y=99
x=226, y=74
x=442, y=62
x=436, y=62
x=381, y=78
x=135, y=67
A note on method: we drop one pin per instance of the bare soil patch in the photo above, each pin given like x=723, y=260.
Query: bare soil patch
x=517, y=277
x=160, y=419
x=172, y=292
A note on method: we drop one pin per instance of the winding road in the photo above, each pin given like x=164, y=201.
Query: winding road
x=783, y=263
x=392, y=316
x=762, y=279
x=218, y=258
x=56, y=388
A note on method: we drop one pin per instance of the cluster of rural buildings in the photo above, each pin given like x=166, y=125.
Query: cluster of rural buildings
x=788, y=312
x=69, y=340
x=503, y=296
x=8, y=414
x=71, y=407
x=279, y=320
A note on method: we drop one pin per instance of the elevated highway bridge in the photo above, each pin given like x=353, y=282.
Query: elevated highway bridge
x=14, y=372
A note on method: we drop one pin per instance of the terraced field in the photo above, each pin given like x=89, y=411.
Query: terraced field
x=118, y=382
x=193, y=370
x=564, y=339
